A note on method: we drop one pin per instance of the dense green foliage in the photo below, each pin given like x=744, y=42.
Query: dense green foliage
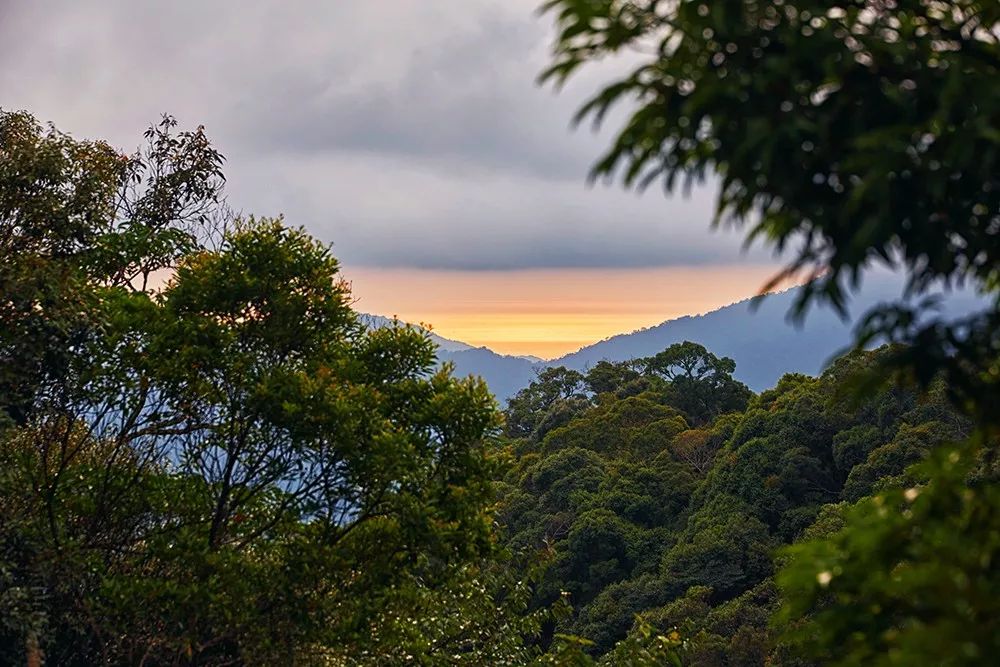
x=226, y=467
x=847, y=133
x=700, y=385
x=207, y=459
x=652, y=512
x=939, y=600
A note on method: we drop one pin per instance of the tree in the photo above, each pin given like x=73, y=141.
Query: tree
x=77, y=217
x=228, y=467
x=860, y=132
x=637, y=425
x=598, y=551
x=909, y=578
x=729, y=553
x=607, y=376
x=695, y=448
x=701, y=384
x=527, y=408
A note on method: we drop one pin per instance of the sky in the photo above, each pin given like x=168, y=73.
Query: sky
x=412, y=135
x=550, y=312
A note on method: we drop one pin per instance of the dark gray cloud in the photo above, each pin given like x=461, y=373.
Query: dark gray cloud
x=409, y=133
x=468, y=101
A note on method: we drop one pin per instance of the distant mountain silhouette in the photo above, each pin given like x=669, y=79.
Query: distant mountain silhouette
x=444, y=344
x=504, y=374
x=761, y=339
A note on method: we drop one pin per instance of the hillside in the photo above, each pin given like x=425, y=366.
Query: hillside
x=505, y=374
x=761, y=339
x=675, y=509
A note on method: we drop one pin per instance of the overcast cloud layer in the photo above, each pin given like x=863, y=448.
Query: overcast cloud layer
x=410, y=133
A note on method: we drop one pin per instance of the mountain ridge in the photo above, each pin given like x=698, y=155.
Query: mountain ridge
x=755, y=332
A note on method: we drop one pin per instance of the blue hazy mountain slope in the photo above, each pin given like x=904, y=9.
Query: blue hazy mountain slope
x=504, y=374
x=762, y=341
x=444, y=344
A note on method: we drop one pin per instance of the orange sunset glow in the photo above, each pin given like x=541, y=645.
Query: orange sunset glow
x=550, y=312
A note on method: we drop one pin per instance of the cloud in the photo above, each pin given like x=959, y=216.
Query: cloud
x=409, y=133
x=467, y=101
x=499, y=221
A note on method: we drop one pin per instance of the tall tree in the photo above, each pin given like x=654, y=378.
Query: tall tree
x=78, y=218
x=225, y=468
x=527, y=409
x=700, y=383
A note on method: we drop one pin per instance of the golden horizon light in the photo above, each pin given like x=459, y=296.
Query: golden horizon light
x=549, y=312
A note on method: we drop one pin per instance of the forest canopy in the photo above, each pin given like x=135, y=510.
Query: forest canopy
x=206, y=458
x=655, y=514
